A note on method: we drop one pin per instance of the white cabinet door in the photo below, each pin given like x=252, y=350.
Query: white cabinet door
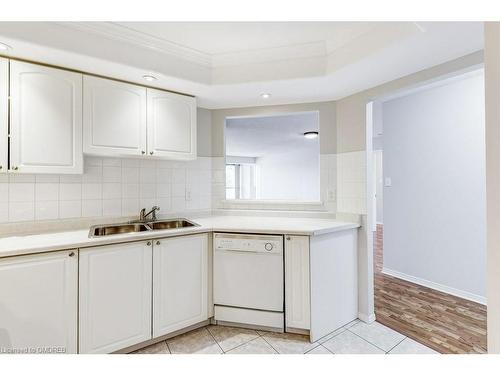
x=4, y=114
x=180, y=284
x=171, y=125
x=45, y=119
x=297, y=303
x=115, y=296
x=114, y=117
x=38, y=302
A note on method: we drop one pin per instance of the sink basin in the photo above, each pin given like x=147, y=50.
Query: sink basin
x=171, y=224
x=139, y=226
x=107, y=230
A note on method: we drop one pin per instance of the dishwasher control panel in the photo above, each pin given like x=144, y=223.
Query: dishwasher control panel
x=250, y=243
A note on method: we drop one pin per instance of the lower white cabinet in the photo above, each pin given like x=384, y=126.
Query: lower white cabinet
x=321, y=282
x=38, y=303
x=297, y=295
x=180, y=285
x=4, y=114
x=115, y=296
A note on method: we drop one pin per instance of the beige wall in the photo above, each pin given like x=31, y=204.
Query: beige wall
x=327, y=128
x=204, y=132
x=351, y=111
x=492, y=89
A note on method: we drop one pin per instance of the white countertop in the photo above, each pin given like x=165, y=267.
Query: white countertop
x=37, y=243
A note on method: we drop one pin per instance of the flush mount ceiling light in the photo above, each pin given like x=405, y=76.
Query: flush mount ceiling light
x=265, y=96
x=149, y=77
x=4, y=47
x=311, y=135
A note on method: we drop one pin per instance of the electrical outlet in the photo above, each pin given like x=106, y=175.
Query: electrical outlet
x=188, y=194
x=331, y=195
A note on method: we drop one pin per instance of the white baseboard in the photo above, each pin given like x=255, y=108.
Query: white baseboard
x=366, y=318
x=430, y=284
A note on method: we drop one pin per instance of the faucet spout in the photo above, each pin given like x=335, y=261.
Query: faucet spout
x=143, y=215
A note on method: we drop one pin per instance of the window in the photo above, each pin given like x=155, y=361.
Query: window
x=241, y=181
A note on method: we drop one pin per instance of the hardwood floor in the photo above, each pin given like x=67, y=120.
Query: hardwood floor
x=441, y=321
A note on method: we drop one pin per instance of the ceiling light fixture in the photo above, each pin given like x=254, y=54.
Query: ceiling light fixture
x=4, y=47
x=311, y=135
x=149, y=77
x=265, y=96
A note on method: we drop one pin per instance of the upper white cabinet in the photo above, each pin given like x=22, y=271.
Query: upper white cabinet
x=38, y=302
x=45, y=119
x=180, y=283
x=171, y=125
x=115, y=296
x=114, y=117
x=4, y=114
x=121, y=119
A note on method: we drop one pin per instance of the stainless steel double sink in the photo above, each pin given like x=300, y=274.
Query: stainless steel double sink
x=139, y=226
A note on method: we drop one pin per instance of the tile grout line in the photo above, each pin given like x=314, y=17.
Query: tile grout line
x=240, y=345
x=378, y=347
x=210, y=333
x=270, y=344
x=396, y=345
x=168, y=347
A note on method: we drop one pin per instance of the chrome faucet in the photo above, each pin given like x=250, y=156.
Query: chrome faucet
x=143, y=215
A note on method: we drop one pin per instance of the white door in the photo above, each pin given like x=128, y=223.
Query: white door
x=171, y=125
x=115, y=296
x=114, y=117
x=4, y=114
x=297, y=303
x=180, y=285
x=38, y=302
x=45, y=119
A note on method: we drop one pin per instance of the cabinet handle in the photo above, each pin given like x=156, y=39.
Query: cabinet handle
x=1, y=166
x=143, y=152
x=158, y=242
x=15, y=168
x=149, y=243
x=72, y=254
x=288, y=238
x=150, y=152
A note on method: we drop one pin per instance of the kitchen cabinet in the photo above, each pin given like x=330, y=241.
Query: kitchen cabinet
x=38, y=302
x=45, y=119
x=180, y=284
x=321, y=282
x=115, y=296
x=171, y=125
x=4, y=114
x=114, y=117
x=297, y=295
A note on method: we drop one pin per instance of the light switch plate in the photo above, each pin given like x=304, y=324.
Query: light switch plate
x=388, y=182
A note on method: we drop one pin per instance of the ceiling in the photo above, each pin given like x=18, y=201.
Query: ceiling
x=258, y=136
x=229, y=64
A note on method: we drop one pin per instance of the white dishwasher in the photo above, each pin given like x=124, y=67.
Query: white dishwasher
x=248, y=280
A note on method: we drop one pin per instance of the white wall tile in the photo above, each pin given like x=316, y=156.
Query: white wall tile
x=147, y=190
x=68, y=192
x=70, y=209
x=111, y=174
x=130, y=175
x=4, y=212
x=46, y=210
x=130, y=206
x=17, y=178
x=147, y=175
x=46, y=191
x=130, y=191
x=111, y=207
x=21, y=211
x=91, y=191
x=4, y=192
x=111, y=190
x=91, y=207
x=21, y=192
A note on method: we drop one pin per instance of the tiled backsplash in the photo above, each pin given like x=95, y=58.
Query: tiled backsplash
x=109, y=187
x=113, y=187
x=351, y=182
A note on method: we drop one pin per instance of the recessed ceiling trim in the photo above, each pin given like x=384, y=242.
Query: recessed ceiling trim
x=122, y=33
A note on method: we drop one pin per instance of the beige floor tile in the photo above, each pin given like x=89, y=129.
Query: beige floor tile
x=409, y=346
x=378, y=335
x=350, y=324
x=289, y=343
x=348, y=343
x=158, y=348
x=197, y=341
x=230, y=337
x=257, y=346
x=319, y=350
x=329, y=336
